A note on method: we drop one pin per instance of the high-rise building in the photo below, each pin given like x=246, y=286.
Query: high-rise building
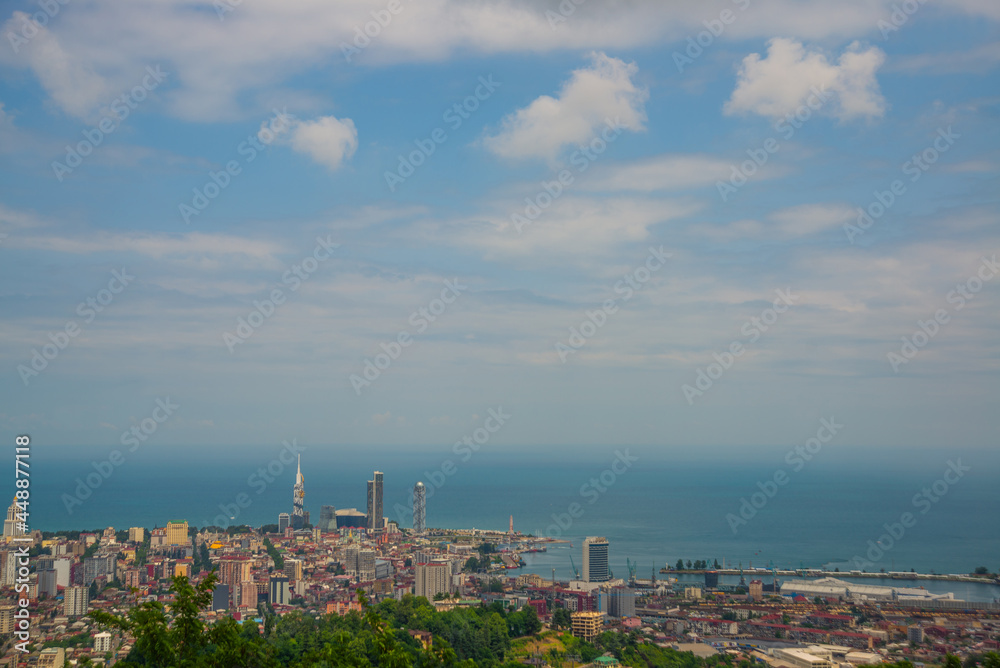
x=136, y=534
x=375, y=516
x=102, y=643
x=248, y=594
x=328, y=518
x=299, y=499
x=98, y=566
x=419, y=508
x=351, y=559
x=621, y=602
x=711, y=579
x=8, y=568
x=293, y=569
x=915, y=634
x=366, y=565
x=587, y=625
x=280, y=594
x=76, y=601
x=220, y=597
x=234, y=571
x=12, y=526
x=177, y=532
x=284, y=521
x=595, y=559
x=6, y=619
x=52, y=657
x=431, y=579
x=756, y=590
x=47, y=582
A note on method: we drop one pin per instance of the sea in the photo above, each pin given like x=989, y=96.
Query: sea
x=893, y=509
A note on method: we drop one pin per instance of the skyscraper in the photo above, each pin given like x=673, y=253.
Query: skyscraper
x=419, y=508
x=328, y=518
x=284, y=521
x=375, y=516
x=595, y=559
x=299, y=499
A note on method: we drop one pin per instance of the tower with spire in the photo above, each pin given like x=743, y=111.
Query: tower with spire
x=299, y=499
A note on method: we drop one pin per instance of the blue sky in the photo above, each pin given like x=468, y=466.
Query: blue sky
x=654, y=142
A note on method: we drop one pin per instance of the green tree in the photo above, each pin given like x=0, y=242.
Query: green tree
x=561, y=618
x=680, y=565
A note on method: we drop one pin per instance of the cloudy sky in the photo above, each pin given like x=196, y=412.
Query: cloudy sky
x=371, y=222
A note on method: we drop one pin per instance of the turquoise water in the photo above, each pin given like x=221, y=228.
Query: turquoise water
x=665, y=505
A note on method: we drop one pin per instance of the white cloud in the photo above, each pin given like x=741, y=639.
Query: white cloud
x=807, y=219
x=785, y=79
x=664, y=172
x=573, y=227
x=980, y=59
x=71, y=82
x=327, y=140
x=589, y=98
x=101, y=39
x=788, y=223
x=155, y=245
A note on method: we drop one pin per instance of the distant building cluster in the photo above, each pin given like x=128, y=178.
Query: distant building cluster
x=821, y=623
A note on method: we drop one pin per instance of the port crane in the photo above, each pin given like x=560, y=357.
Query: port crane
x=576, y=573
x=631, y=565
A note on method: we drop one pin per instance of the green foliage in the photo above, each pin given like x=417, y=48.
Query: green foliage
x=377, y=637
x=90, y=551
x=561, y=618
x=272, y=551
x=680, y=565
